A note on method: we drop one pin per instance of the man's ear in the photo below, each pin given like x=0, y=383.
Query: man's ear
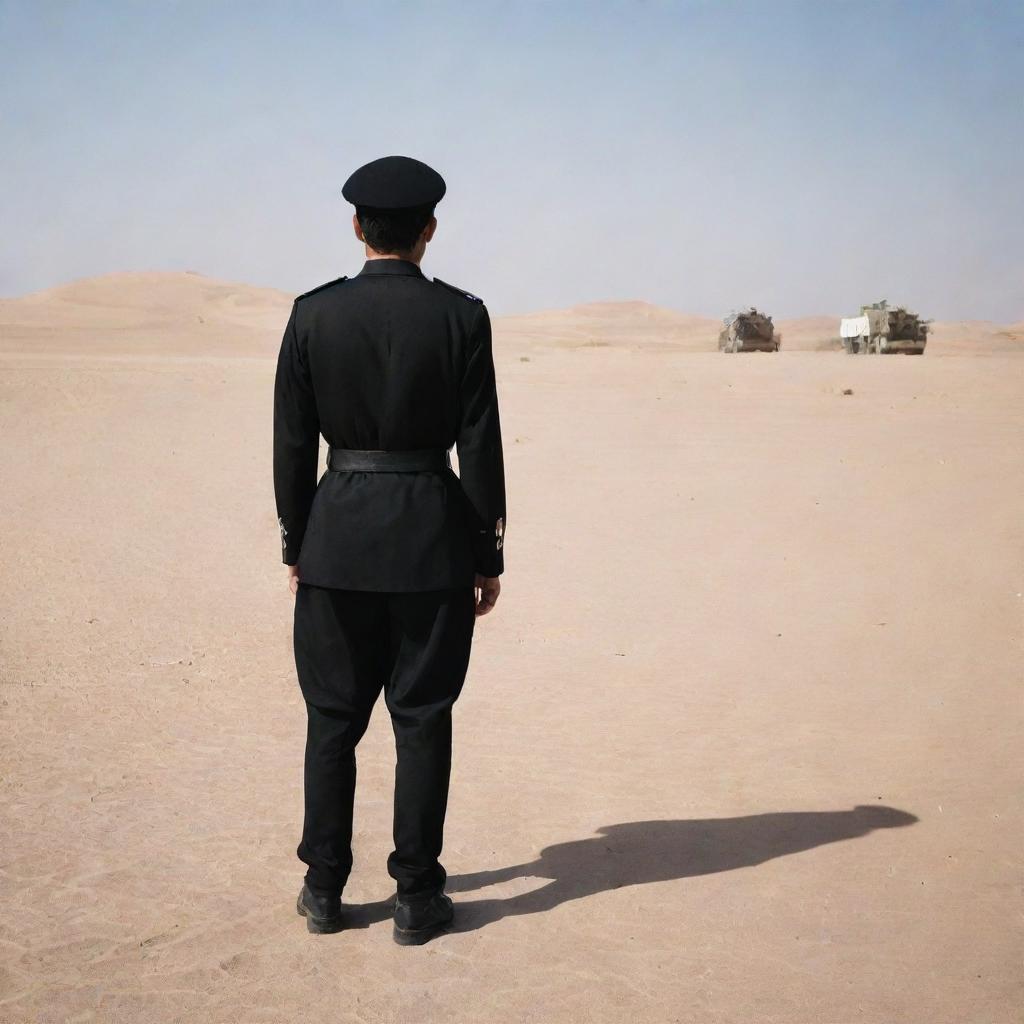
x=358, y=230
x=428, y=231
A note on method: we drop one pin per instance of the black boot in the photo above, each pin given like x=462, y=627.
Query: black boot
x=322, y=911
x=418, y=919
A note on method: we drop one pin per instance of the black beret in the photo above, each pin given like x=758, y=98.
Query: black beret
x=394, y=183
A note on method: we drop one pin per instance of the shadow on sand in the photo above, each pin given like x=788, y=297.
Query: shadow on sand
x=636, y=852
x=657, y=851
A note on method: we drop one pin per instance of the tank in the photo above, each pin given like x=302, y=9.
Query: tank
x=749, y=331
x=884, y=331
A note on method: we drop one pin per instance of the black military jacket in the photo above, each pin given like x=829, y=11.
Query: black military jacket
x=389, y=360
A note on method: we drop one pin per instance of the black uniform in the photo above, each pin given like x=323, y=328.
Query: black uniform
x=389, y=360
x=386, y=361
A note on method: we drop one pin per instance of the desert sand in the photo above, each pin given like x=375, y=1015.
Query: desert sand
x=741, y=742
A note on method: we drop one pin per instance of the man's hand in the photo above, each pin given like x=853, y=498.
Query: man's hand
x=293, y=578
x=486, y=591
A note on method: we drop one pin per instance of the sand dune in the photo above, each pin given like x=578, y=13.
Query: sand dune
x=810, y=333
x=642, y=326
x=146, y=312
x=612, y=324
x=190, y=314
x=975, y=337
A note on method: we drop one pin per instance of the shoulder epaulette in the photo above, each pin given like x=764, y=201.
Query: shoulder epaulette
x=321, y=287
x=458, y=291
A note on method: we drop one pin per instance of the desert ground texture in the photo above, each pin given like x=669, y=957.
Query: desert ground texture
x=741, y=742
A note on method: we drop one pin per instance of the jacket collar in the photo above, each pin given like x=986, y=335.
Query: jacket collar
x=402, y=267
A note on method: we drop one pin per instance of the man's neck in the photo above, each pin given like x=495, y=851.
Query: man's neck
x=410, y=257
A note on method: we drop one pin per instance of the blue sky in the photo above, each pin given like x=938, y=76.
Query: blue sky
x=806, y=157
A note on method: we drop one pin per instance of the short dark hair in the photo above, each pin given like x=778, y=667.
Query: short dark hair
x=393, y=231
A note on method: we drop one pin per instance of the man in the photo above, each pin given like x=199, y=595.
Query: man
x=391, y=555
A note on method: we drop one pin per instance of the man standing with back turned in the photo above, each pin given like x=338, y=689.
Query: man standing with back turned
x=391, y=555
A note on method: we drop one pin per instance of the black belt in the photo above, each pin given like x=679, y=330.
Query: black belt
x=421, y=460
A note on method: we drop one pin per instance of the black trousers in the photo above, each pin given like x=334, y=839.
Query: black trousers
x=349, y=645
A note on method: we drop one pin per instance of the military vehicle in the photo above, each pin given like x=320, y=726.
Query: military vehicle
x=884, y=331
x=749, y=331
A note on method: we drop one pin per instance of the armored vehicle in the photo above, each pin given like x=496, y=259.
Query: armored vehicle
x=884, y=331
x=750, y=331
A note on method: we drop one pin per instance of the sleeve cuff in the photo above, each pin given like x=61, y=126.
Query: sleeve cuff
x=489, y=563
